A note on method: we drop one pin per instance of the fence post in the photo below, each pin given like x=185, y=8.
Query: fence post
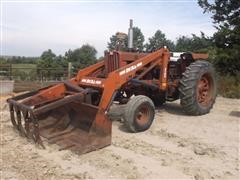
x=69, y=70
x=10, y=72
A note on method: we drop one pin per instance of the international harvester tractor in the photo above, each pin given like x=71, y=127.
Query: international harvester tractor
x=75, y=114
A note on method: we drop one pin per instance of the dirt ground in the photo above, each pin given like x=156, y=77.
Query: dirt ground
x=176, y=147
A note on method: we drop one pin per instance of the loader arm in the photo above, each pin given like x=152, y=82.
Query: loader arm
x=119, y=77
x=128, y=72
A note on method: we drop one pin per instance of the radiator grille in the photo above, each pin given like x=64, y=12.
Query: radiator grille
x=112, y=62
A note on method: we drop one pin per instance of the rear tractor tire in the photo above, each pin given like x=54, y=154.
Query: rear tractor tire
x=198, y=88
x=139, y=113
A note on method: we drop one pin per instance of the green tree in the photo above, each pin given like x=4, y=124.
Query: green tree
x=47, y=59
x=158, y=41
x=81, y=57
x=194, y=43
x=20, y=60
x=138, y=41
x=3, y=60
x=226, y=16
x=49, y=65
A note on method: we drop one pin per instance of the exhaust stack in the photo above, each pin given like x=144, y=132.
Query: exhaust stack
x=130, y=35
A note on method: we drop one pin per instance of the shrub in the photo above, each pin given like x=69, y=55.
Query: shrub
x=229, y=86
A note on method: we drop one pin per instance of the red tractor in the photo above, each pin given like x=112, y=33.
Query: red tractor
x=75, y=114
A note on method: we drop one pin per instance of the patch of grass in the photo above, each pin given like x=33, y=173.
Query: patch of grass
x=27, y=68
x=229, y=86
x=24, y=71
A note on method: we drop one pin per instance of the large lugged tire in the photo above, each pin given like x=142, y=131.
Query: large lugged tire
x=139, y=113
x=198, y=88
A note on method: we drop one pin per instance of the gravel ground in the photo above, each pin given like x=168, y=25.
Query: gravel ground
x=176, y=146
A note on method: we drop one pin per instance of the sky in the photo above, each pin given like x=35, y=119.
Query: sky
x=30, y=27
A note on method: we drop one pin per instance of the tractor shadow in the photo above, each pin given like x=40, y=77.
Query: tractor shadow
x=171, y=108
x=123, y=128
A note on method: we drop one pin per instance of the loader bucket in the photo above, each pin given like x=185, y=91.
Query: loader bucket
x=65, y=120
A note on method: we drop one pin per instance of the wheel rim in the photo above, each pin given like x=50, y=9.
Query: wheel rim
x=205, y=90
x=143, y=114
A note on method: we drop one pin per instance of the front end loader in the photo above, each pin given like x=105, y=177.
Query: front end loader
x=74, y=114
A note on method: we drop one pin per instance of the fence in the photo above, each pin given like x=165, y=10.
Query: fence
x=28, y=77
x=30, y=72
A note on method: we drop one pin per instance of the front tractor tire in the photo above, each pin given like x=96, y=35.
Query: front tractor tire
x=198, y=88
x=139, y=113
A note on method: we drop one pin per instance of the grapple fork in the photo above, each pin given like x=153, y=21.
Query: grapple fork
x=62, y=115
x=19, y=114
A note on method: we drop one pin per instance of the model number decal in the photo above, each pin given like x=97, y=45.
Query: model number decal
x=129, y=69
x=91, y=81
